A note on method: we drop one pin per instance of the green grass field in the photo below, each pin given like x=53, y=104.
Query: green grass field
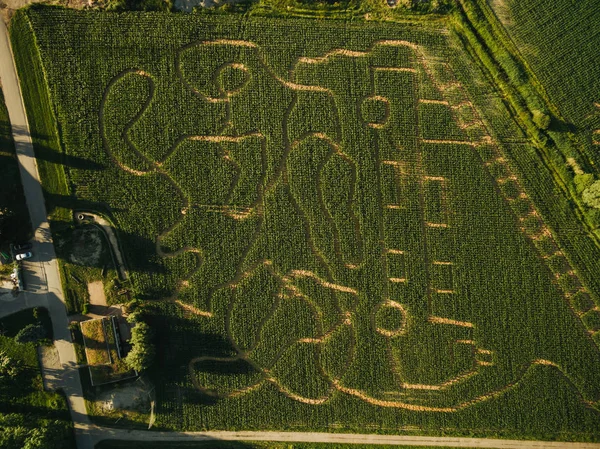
x=560, y=41
x=336, y=224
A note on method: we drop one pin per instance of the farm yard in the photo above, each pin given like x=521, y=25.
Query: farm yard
x=102, y=351
x=335, y=225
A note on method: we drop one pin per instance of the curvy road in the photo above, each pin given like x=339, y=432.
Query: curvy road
x=44, y=289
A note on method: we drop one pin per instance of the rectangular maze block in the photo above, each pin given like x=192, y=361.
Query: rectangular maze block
x=396, y=266
x=437, y=122
x=401, y=225
x=441, y=277
x=435, y=200
x=392, y=184
x=440, y=243
x=591, y=320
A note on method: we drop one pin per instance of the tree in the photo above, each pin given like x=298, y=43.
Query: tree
x=541, y=119
x=21, y=432
x=31, y=333
x=591, y=195
x=9, y=368
x=142, y=352
x=583, y=181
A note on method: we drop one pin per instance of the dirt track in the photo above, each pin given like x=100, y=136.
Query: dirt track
x=308, y=437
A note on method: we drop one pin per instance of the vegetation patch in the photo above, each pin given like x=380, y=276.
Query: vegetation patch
x=29, y=416
x=102, y=352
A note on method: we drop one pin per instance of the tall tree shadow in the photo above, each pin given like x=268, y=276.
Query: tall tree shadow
x=179, y=339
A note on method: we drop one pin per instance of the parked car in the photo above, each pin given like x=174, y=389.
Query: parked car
x=23, y=247
x=23, y=256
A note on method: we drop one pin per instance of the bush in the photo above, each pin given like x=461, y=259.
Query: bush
x=541, y=119
x=9, y=368
x=31, y=333
x=583, y=181
x=134, y=317
x=135, y=305
x=591, y=195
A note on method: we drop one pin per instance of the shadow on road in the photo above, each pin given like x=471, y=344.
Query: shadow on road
x=46, y=153
x=117, y=440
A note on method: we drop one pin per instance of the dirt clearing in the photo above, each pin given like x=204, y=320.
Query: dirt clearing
x=87, y=246
x=51, y=367
x=97, y=295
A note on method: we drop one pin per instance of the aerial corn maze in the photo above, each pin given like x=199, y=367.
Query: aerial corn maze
x=337, y=225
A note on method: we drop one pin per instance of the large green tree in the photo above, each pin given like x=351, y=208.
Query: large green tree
x=591, y=195
x=143, y=351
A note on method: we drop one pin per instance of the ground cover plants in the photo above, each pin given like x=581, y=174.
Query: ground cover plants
x=29, y=416
x=325, y=228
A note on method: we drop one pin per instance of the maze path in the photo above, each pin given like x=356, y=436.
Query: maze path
x=281, y=174
x=537, y=231
x=437, y=218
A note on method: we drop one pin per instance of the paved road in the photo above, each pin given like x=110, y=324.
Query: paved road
x=42, y=271
x=351, y=438
x=45, y=290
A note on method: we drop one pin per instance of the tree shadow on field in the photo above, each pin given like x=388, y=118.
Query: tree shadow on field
x=559, y=125
x=139, y=252
x=49, y=154
x=179, y=340
x=213, y=444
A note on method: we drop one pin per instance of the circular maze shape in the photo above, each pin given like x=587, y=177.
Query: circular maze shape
x=375, y=111
x=390, y=318
x=232, y=77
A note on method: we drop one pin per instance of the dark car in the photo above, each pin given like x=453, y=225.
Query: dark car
x=23, y=247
